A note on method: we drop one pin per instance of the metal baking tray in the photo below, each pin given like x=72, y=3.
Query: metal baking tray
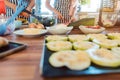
x=48, y=71
x=11, y=48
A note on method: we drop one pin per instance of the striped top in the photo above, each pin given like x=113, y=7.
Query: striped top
x=63, y=7
x=9, y=11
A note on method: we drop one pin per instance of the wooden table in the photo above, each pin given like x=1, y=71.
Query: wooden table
x=24, y=65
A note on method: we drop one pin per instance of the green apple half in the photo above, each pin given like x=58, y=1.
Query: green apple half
x=106, y=43
x=74, y=60
x=59, y=45
x=104, y=57
x=116, y=51
x=56, y=38
x=84, y=45
x=114, y=36
x=74, y=38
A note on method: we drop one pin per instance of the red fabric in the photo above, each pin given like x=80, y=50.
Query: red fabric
x=2, y=7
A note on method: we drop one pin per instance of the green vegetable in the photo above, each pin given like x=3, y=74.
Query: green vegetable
x=84, y=2
x=85, y=22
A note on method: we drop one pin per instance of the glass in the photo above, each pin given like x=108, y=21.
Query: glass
x=109, y=19
x=8, y=29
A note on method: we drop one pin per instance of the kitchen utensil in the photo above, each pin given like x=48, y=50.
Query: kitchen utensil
x=22, y=4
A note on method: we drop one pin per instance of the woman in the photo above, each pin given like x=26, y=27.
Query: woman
x=11, y=7
x=63, y=9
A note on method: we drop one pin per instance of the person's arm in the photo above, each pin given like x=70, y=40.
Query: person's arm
x=29, y=8
x=72, y=7
x=31, y=5
x=59, y=15
x=13, y=6
x=72, y=11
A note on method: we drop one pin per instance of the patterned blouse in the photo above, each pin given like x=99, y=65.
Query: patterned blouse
x=63, y=7
x=9, y=11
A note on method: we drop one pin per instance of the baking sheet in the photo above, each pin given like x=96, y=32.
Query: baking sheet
x=49, y=71
x=11, y=48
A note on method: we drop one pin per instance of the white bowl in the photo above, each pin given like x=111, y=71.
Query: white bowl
x=90, y=30
x=59, y=30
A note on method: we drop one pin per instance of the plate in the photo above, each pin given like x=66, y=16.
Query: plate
x=11, y=48
x=86, y=30
x=22, y=33
x=48, y=71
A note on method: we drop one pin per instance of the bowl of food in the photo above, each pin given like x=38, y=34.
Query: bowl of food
x=30, y=32
x=59, y=29
x=91, y=29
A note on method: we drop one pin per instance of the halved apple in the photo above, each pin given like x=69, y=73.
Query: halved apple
x=84, y=45
x=116, y=51
x=115, y=36
x=74, y=38
x=59, y=45
x=96, y=36
x=104, y=57
x=106, y=43
x=56, y=38
x=74, y=60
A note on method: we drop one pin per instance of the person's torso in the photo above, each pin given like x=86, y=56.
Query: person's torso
x=63, y=6
x=10, y=12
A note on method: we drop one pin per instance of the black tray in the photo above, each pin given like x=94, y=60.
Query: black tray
x=11, y=48
x=48, y=71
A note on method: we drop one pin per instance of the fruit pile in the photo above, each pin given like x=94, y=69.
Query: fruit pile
x=36, y=25
x=77, y=52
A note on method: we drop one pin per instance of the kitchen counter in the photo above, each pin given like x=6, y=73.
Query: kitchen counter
x=24, y=65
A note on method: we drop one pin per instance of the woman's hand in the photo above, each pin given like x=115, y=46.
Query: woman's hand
x=26, y=15
x=71, y=20
x=59, y=15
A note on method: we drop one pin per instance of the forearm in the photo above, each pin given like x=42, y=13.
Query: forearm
x=31, y=5
x=47, y=3
x=73, y=3
x=73, y=7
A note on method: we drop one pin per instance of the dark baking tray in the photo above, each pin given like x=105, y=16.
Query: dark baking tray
x=48, y=71
x=11, y=48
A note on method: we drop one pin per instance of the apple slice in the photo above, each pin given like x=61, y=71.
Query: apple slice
x=84, y=45
x=74, y=60
x=104, y=57
x=96, y=36
x=116, y=51
x=106, y=43
x=115, y=36
x=56, y=38
x=74, y=38
x=59, y=45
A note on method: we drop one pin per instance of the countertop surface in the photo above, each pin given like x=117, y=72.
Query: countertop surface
x=24, y=65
